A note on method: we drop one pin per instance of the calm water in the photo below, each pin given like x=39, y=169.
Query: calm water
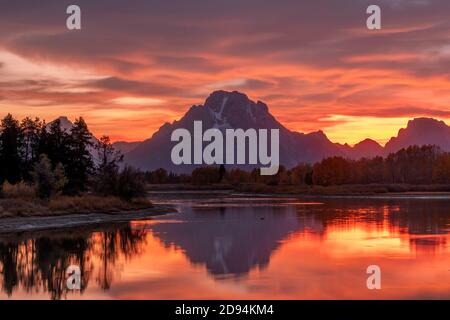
x=242, y=248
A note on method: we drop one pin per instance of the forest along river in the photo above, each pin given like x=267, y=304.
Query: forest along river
x=221, y=246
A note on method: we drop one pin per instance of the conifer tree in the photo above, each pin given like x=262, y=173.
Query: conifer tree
x=79, y=159
x=10, y=145
x=29, y=154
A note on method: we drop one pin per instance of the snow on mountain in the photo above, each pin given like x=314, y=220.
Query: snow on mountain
x=235, y=110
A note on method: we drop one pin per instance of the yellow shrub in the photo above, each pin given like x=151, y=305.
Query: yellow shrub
x=20, y=190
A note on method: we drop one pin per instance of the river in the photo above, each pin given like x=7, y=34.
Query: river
x=222, y=246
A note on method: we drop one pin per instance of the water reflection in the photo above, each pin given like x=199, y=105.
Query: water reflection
x=230, y=241
x=231, y=237
x=37, y=262
x=243, y=248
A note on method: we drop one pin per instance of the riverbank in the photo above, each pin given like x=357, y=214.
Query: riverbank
x=371, y=189
x=27, y=207
x=342, y=190
x=48, y=222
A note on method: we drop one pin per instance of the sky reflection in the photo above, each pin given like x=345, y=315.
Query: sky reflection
x=296, y=251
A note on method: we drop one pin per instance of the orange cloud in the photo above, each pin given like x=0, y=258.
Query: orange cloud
x=315, y=69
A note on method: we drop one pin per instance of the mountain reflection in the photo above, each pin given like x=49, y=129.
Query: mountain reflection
x=229, y=241
x=230, y=238
x=38, y=262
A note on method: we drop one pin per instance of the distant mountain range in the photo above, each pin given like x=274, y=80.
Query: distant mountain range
x=421, y=131
x=235, y=110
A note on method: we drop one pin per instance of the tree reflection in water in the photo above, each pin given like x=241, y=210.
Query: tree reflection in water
x=234, y=240
x=38, y=262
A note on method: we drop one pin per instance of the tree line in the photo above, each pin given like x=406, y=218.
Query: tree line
x=60, y=160
x=413, y=165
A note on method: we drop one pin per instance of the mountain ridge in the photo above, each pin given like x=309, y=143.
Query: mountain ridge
x=232, y=110
x=224, y=109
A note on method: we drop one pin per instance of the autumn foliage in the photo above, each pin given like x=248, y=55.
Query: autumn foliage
x=414, y=165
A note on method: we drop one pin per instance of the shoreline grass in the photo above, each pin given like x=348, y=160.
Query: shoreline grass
x=66, y=205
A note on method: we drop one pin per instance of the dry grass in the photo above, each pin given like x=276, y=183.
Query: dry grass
x=19, y=200
x=19, y=208
x=19, y=190
x=90, y=203
x=61, y=205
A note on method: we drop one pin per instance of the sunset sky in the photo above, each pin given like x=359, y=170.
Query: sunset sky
x=137, y=64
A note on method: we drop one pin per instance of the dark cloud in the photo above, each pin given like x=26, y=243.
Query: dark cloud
x=322, y=33
x=136, y=87
x=189, y=63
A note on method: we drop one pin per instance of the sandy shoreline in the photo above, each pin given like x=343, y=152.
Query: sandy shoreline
x=22, y=224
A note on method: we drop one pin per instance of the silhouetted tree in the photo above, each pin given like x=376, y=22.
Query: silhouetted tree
x=30, y=130
x=107, y=171
x=301, y=174
x=236, y=176
x=332, y=171
x=47, y=180
x=11, y=142
x=205, y=175
x=158, y=176
x=222, y=172
x=55, y=143
x=79, y=162
x=130, y=184
x=441, y=169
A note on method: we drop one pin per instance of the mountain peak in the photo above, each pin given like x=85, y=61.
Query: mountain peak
x=219, y=99
x=234, y=109
x=64, y=123
x=318, y=134
x=222, y=93
x=367, y=142
x=425, y=123
x=421, y=131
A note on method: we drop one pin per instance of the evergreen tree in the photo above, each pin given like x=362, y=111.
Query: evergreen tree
x=31, y=130
x=79, y=159
x=10, y=145
x=55, y=143
x=222, y=172
x=43, y=147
